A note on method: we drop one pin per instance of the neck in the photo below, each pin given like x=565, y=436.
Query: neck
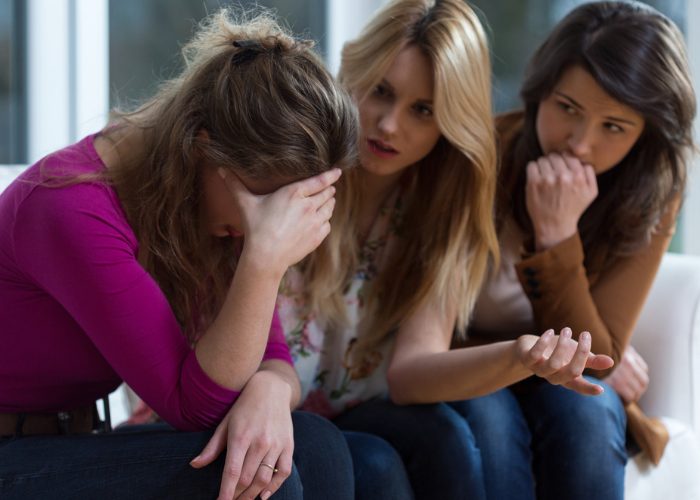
x=375, y=189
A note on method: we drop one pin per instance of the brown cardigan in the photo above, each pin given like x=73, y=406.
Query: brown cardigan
x=607, y=304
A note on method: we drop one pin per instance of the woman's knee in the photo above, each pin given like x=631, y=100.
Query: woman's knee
x=603, y=412
x=379, y=470
x=496, y=417
x=566, y=418
x=376, y=463
x=322, y=457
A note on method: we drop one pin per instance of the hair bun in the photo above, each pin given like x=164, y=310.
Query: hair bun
x=278, y=43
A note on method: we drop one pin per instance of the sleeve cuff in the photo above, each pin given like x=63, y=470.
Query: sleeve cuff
x=543, y=271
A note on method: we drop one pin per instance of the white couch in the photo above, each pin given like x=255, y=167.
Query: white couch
x=668, y=337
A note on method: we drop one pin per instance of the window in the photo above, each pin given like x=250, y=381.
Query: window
x=12, y=87
x=517, y=28
x=145, y=38
x=64, y=63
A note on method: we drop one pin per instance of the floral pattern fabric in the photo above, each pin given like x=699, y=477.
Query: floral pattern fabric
x=330, y=382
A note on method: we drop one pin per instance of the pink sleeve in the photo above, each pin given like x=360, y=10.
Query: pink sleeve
x=75, y=243
x=277, y=347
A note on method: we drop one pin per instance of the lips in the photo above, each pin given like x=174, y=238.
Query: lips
x=381, y=149
x=233, y=233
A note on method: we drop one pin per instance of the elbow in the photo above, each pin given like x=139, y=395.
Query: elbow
x=186, y=422
x=398, y=397
x=401, y=391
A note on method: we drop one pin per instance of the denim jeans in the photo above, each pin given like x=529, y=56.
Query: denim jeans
x=152, y=462
x=379, y=471
x=543, y=441
x=434, y=441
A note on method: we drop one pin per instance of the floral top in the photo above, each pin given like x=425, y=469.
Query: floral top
x=330, y=382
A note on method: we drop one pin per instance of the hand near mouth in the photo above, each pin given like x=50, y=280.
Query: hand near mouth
x=559, y=189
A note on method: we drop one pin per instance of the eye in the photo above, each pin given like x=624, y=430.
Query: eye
x=613, y=127
x=567, y=108
x=423, y=110
x=381, y=91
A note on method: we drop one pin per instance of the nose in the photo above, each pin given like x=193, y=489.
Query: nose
x=389, y=121
x=581, y=140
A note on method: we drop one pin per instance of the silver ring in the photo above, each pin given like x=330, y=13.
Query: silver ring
x=272, y=468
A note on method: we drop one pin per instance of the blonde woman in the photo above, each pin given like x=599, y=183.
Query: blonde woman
x=371, y=314
x=151, y=252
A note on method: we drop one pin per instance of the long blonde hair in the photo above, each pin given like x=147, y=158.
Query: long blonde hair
x=270, y=110
x=448, y=235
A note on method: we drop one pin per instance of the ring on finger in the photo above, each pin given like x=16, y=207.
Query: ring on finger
x=271, y=467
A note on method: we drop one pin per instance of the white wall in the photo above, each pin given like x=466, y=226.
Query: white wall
x=690, y=229
x=68, y=72
x=345, y=20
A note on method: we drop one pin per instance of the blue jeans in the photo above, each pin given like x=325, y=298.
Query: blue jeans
x=379, y=471
x=434, y=441
x=153, y=462
x=543, y=441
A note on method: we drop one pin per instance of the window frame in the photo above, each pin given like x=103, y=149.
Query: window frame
x=67, y=78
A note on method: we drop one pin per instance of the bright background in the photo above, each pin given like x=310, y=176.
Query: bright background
x=65, y=63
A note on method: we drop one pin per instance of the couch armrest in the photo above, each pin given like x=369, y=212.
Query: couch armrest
x=668, y=337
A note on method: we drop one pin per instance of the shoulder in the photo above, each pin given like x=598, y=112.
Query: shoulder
x=52, y=198
x=508, y=125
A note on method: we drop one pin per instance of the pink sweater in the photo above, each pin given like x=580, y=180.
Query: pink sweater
x=79, y=315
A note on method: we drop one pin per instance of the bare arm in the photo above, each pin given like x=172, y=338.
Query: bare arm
x=287, y=374
x=423, y=369
x=280, y=229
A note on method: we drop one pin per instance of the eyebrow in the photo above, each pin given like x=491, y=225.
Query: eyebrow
x=391, y=87
x=577, y=105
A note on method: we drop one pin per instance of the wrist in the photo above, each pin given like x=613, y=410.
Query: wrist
x=261, y=263
x=275, y=383
x=521, y=346
x=546, y=238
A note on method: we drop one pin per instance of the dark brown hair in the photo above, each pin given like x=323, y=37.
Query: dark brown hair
x=638, y=57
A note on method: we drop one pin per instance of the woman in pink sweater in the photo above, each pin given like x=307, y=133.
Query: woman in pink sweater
x=151, y=253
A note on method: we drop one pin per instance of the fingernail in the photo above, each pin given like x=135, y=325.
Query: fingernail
x=265, y=495
x=195, y=459
x=221, y=172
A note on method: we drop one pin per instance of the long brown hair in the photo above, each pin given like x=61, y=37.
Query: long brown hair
x=448, y=235
x=270, y=110
x=637, y=56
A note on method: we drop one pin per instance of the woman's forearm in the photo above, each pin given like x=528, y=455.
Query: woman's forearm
x=287, y=374
x=231, y=349
x=457, y=374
